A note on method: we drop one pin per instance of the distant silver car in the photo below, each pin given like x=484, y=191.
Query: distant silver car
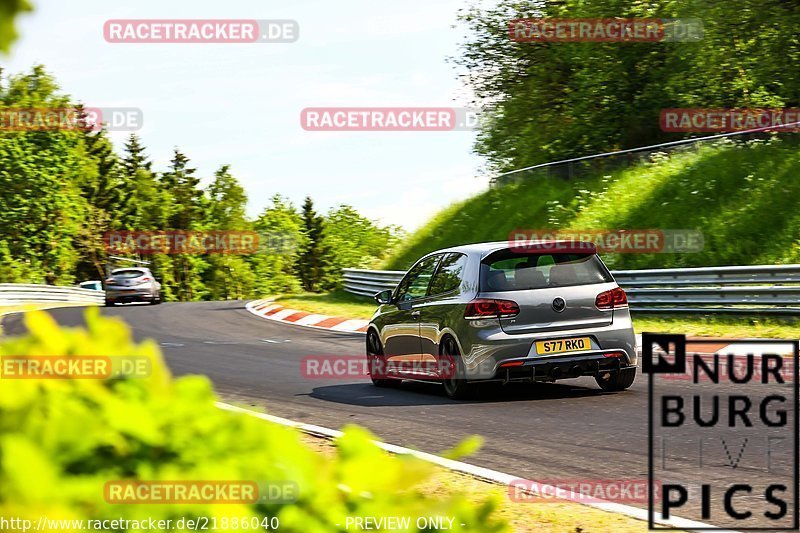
x=132, y=284
x=496, y=312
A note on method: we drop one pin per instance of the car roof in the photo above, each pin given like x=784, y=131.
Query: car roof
x=485, y=248
x=475, y=248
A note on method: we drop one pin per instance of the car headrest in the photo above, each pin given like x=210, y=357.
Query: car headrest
x=527, y=276
x=563, y=275
x=497, y=281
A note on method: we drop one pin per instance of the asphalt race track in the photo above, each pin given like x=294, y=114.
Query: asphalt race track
x=569, y=430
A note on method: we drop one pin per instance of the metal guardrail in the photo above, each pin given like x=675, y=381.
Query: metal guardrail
x=370, y=282
x=751, y=290
x=18, y=293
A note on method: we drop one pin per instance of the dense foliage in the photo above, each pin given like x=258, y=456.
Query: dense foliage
x=63, y=439
x=556, y=100
x=60, y=191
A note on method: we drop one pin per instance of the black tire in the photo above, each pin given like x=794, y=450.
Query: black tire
x=616, y=381
x=156, y=299
x=374, y=350
x=455, y=386
x=109, y=303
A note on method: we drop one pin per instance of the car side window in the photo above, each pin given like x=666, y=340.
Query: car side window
x=415, y=284
x=449, y=274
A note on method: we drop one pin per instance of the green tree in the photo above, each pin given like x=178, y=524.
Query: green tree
x=41, y=206
x=313, y=257
x=186, y=209
x=282, y=238
x=227, y=202
x=353, y=241
x=101, y=185
x=228, y=275
x=146, y=199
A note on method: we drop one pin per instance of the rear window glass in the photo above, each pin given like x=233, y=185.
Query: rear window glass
x=512, y=271
x=127, y=274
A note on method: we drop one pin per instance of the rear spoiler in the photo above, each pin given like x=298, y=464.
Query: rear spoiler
x=566, y=246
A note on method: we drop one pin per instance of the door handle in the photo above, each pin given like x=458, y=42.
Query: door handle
x=414, y=314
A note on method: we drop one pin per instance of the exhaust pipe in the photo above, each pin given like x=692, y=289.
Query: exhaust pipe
x=555, y=373
x=576, y=371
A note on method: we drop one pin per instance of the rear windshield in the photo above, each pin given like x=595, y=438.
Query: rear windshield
x=512, y=271
x=127, y=274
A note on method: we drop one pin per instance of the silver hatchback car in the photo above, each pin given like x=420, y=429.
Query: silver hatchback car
x=132, y=284
x=498, y=312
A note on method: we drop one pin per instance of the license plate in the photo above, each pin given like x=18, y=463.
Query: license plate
x=563, y=345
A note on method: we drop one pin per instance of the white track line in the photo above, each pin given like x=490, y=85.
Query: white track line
x=476, y=471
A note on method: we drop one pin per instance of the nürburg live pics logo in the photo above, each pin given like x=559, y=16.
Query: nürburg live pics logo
x=723, y=431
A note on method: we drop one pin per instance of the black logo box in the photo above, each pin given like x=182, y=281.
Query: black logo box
x=678, y=342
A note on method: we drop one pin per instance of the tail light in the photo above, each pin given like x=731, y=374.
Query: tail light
x=613, y=299
x=488, y=308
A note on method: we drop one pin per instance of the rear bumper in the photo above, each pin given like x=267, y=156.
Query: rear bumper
x=135, y=295
x=485, y=350
x=568, y=366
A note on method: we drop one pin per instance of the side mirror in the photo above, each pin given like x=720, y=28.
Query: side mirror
x=384, y=297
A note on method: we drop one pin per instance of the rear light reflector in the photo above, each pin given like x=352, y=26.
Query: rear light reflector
x=489, y=308
x=614, y=354
x=512, y=363
x=613, y=299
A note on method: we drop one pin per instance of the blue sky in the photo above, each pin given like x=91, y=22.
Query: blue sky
x=240, y=103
